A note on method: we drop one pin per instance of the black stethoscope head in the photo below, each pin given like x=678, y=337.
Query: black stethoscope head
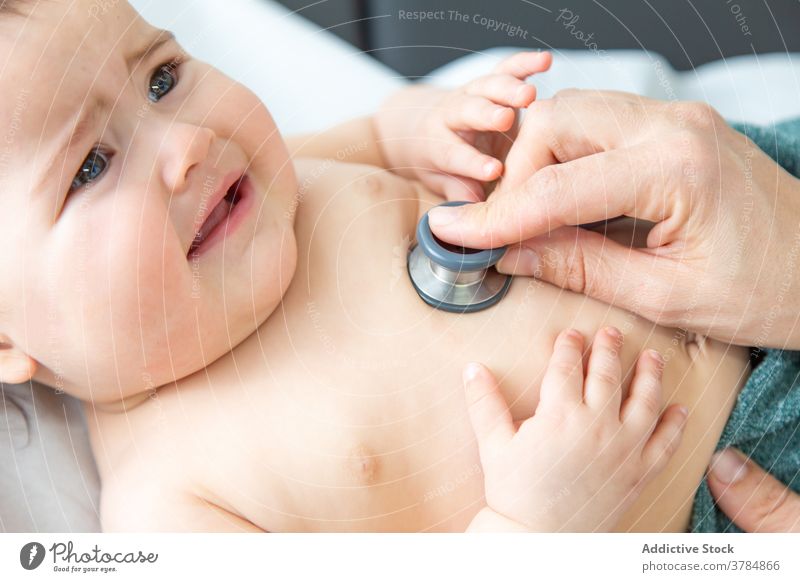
x=452, y=278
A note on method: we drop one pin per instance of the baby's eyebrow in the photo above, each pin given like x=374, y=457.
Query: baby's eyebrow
x=89, y=115
x=157, y=40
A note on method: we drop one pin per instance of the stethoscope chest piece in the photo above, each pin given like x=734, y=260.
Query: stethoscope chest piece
x=455, y=279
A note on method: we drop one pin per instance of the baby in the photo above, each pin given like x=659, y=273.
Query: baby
x=235, y=309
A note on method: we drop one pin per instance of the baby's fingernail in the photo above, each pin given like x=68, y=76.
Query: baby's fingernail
x=573, y=334
x=498, y=114
x=656, y=356
x=728, y=467
x=527, y=261
x=523, y=92
x=443, y=215
x=613, y=332
x=684, y=412
x=471, y=371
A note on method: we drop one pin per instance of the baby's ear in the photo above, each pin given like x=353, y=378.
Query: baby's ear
x=16, y=366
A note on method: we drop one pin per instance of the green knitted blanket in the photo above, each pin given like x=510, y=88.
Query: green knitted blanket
x=765, y=422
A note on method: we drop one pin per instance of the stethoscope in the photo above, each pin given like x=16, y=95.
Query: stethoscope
x=456, y=279
x=452, y=278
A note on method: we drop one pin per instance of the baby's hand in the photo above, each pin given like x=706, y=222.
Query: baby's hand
x=456, y=140
x=583, y=458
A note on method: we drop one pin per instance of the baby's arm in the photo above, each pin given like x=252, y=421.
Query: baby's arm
x=353, y=142
x=130, y=502
x=454, y=141
x=584, y=456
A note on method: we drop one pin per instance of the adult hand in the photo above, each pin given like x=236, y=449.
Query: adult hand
x=753, y=499
x=720, y=259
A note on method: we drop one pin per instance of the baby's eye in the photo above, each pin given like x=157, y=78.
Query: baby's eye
x=163, y=80
x=92, y=168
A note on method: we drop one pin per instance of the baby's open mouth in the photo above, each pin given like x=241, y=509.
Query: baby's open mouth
x=218, y=220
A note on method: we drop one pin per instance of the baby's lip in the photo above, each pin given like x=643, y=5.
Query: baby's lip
x=209, y=203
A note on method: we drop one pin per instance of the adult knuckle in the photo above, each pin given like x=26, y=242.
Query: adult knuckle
x=574, y=269
x=547, y=184
x=771, y=508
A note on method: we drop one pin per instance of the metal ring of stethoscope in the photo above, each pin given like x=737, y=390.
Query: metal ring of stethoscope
x=453, y=279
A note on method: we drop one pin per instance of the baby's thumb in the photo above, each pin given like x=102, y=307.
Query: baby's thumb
x=488, y=411
x=587, y=262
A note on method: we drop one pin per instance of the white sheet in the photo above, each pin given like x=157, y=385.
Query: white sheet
x=757, y=88
x=322, y=80
x=309, y=78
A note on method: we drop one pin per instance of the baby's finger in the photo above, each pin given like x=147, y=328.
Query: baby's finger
x=524, y=64
x=643, y=405
x=503, y=90
x=462, y=159
x=604, y=372
x=563, y=379
x=488, y=411
x=454, y=187
x=479, y=114
x=665, y=440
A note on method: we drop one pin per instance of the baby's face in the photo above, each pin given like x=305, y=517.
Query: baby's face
x=130, y=257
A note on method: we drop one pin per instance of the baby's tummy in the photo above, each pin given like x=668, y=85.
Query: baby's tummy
x=374, y=433
x=515, y=340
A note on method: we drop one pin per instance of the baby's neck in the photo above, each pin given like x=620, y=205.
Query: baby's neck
x=124, y=405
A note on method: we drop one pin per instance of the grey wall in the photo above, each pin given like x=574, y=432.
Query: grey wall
x=687, y=33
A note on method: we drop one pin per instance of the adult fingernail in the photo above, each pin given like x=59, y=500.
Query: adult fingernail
x=727, y=466
x=443, y=215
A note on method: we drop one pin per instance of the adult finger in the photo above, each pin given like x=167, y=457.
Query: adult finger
x=640, y=183
x=752, y=498
x=578, y=123
x=640, y=280
x=488, y=411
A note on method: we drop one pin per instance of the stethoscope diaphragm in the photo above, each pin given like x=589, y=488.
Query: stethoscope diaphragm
x=452, y=278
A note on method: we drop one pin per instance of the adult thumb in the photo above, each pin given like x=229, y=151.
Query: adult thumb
x=752, y=498
x=587, y=262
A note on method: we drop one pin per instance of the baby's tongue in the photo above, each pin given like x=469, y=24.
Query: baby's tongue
x=217, y=216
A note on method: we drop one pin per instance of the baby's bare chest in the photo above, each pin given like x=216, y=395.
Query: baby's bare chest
x=344, y=411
